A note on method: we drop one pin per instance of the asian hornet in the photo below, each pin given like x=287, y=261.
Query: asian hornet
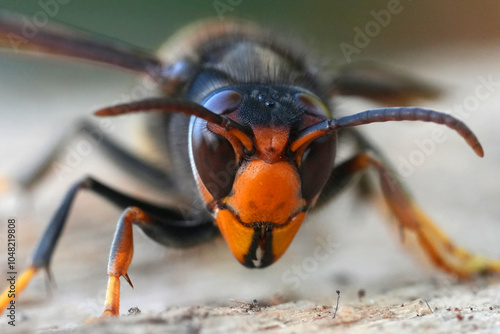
x=247, y=121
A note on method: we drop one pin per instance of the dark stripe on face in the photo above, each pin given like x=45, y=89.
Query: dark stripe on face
x=263, y=239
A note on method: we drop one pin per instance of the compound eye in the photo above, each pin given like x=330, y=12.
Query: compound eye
x=214, y=158
x=316, y=166
x=224, y=102
x=312, y=105
x=213, y=155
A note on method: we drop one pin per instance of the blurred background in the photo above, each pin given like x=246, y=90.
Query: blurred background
x=452, y=44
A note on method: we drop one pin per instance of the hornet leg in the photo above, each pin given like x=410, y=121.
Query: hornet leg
x=134, y=165
x=165, y=225
x=438, y=247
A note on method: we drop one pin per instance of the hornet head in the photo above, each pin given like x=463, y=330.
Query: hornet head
x=257, y=186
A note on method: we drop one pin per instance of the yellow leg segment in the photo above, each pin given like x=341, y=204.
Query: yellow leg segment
x=444, y=254
x=120, y=257
x=112, y=302
x=22, y=282
x=439, y=248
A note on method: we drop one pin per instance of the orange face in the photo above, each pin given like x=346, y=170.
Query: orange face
x=261, y=218
x=264, y=209
x=258, y=197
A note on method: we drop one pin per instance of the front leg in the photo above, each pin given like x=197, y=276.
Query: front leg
x=163, y=224
x=434, y=241
x=120, y=257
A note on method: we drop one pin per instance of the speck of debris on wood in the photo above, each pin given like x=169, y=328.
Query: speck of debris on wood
x=134, y=310
x=427, y=303
x=337, y=306
x=460, y=317
x=471, y=317
x=361, y=293
x=402, y=305
x=247, y=307
x=491, y=308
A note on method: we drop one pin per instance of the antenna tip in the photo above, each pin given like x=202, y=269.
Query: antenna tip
x=479, y=150
x=101, y=112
